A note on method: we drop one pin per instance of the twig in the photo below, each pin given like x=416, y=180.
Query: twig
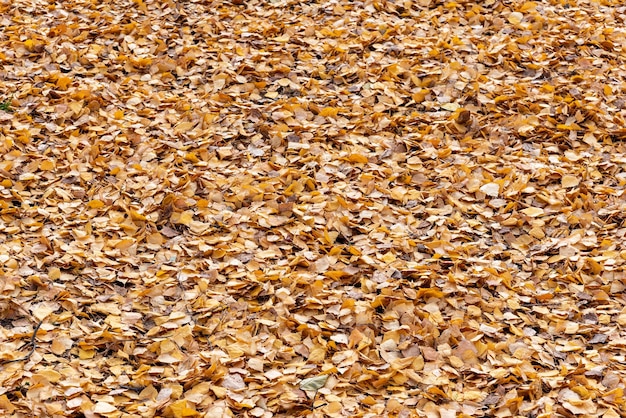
x=33, y=343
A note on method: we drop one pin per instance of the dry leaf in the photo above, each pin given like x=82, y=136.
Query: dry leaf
x=314, y=383
x=104, y=408
x=490, y=189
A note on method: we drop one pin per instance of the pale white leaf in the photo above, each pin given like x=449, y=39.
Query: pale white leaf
x=314, y=383
x=490, y=189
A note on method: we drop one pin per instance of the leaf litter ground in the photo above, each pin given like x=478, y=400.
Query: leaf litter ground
x=343, y=208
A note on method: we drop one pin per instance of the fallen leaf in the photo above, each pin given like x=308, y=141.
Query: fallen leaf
x=314, y=383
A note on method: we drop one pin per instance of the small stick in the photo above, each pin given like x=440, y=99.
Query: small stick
x=33, y=343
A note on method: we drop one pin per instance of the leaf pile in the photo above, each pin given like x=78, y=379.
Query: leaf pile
x=412, y=208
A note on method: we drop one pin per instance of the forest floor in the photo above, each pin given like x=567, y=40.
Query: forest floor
x=408, y=208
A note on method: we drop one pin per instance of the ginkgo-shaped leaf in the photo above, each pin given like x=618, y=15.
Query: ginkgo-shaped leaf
x=314, y=383
x=490, y=189
x=533, y=212
x=104, y=408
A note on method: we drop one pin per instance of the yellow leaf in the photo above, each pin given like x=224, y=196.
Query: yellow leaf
x=429, y=292
x=86, y=354
x=580, y=407
x=337, y=250
x=389, y=257
x=63, y=82
x=529, y=5
x=124, y=244
x=502, y=98
x=141, y=4
x=335, y=274
x=50, y=375
x=329, y=112
x=333, y=408
x=537, y=233
x=185, y=218
x=81, y=95
x=515, y=18
x=155, y=238
x=6, y=405
x=317, y=354
x=570, y=127
x=54, y=273
x=569, y=181
x=47, y=165
x=58, y=346
x=76, y=107
x=395, y=70
x=42, y=312
x=95, y=204
x=293, y=188
x=357, y=158
x=456, y=362
x=420, y=96
x=330, y=236
x=183, y=408
x=136, y=216
x=192, y=157
x=450, y=106
x=533, y=212
x=183, y=127
x=142, y=62
x=283, y=38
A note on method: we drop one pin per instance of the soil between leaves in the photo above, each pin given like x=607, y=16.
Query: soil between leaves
x=208, y=202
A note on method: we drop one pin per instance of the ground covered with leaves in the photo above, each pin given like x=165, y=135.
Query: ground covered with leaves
x=326, y=208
